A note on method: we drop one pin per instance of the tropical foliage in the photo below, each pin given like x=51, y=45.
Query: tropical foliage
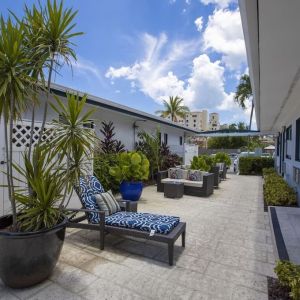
x=244, y=93
x=55, y=166
x=222, y=157
x=276, y=190
x=102, y=163
x=254, y=165
x=31, y=47
x=289, y=276
x=131, y=166
x=158, y=154
x=150, y=145
x=109, y=144
x=199, y=163
x=173, y=108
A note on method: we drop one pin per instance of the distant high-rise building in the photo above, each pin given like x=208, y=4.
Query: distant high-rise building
x=196, y=119
x=214, y=122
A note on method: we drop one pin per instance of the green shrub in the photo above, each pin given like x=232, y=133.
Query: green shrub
x=268, y=171
x=130, y=166
x=209, y=160
x=222, y=157
x=277, y=191
x=199, y=163
x=254, y=165
x=102, y=163
x=289, y=275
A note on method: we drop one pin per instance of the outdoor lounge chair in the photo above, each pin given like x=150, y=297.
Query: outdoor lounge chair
x=215, y=170
x=193, y=188
x=164, y=229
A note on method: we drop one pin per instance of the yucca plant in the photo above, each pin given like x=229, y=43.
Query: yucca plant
x=55, y=166
x=72, y=139
x=16, y=88
x=40, y=209
x=53, y=40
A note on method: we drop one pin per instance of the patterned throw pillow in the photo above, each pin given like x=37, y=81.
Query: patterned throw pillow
x=175, y=173
x=195, y=175
x=107, y=202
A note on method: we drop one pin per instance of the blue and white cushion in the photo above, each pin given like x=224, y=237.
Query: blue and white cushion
x=143, y=221
x=88, y=187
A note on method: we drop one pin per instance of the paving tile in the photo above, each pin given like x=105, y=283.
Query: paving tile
x=72, y=278
x=55, y=292
x=104, y=289
x=228, y=253
x=241, y=292
x=74, y=256
x=30, y=291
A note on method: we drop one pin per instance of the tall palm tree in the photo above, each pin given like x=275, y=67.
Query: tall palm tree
x=174, y=108
x=243, y=93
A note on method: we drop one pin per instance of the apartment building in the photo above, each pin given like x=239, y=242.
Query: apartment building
x=214, y=122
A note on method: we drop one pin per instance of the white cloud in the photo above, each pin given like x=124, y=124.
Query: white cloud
x=199, y=23
x=223, y=34
x=87, y=67
x=153, y=74
x=218, y=3
x=206, y=83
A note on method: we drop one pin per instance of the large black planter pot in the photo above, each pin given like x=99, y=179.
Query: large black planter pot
x=29, y=258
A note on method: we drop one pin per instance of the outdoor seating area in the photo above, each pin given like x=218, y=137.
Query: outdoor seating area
x=228, y=253
x=195, y=182
x=160, y=228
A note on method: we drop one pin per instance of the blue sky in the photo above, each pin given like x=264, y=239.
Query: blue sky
x=138, y=52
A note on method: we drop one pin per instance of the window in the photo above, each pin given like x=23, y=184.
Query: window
x=166, y=139
x=194, y=121
x=288, y=142
x=278, y=145
x=180, y=140
x=194, y=116
x=297, y=152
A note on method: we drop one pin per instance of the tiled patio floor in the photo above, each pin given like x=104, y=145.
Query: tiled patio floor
x=228, y=253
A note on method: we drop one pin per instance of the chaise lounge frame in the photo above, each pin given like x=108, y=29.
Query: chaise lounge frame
x=169, y=239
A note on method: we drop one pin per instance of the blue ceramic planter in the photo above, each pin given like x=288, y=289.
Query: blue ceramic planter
x=131, y=190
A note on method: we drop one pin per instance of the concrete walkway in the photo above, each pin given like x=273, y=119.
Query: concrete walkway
x=228, y=253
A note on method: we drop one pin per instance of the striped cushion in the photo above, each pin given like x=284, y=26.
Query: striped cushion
x=107, y=202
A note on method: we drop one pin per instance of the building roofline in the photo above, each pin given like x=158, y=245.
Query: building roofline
x=61, y=90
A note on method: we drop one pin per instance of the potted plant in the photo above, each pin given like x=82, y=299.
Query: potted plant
x=31, y=237
x=131, y=169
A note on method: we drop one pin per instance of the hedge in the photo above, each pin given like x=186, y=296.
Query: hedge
x=254, y=165
x=276, y=191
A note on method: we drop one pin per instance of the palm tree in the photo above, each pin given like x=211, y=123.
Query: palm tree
x=243, y=93
x=173, y=107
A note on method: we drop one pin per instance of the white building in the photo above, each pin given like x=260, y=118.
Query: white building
x=273, y=46
x=127, y=122
x=214, y=122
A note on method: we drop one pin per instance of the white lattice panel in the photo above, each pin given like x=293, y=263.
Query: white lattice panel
x=22, y=131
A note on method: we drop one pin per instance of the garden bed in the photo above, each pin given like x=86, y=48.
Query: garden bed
x=276, y=291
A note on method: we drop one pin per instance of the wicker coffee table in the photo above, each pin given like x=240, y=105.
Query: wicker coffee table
x=173, y=189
